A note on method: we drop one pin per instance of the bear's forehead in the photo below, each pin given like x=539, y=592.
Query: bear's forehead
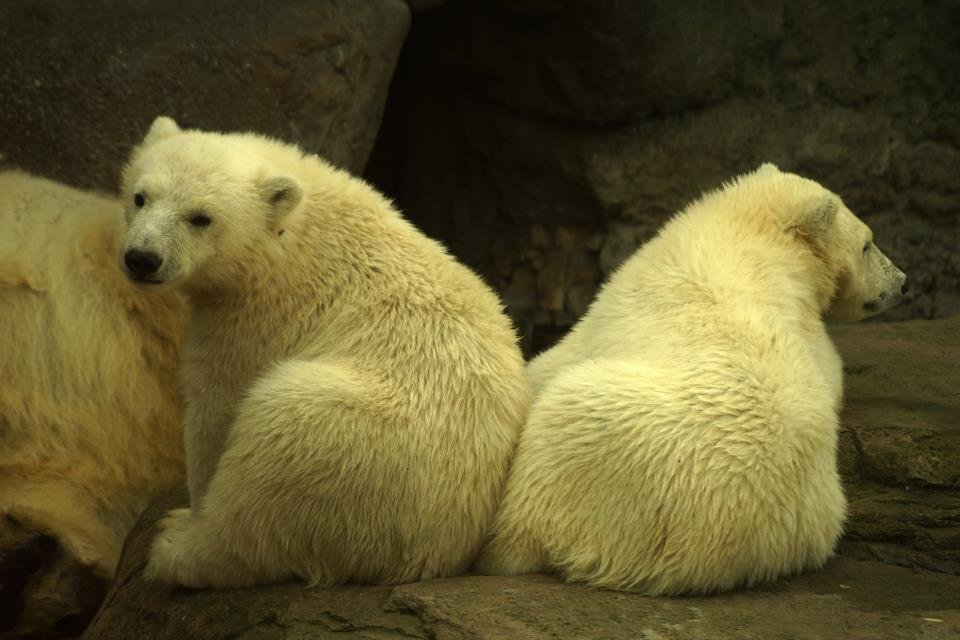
x=189, y=152
x=191, y=165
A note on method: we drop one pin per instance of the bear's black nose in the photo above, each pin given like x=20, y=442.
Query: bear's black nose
x=905, y=286
x=142, y=263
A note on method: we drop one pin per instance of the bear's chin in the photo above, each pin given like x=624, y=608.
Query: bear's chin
x=884, y=302
x=870, y=308
x=148, y=284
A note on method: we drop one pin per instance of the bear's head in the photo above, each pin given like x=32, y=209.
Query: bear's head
x=859, y=280
x=199, y=206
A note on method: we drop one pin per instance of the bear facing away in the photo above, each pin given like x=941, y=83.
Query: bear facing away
x=353, y=394
x=683, y=436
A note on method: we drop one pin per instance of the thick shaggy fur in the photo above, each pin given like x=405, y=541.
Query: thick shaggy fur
x=683, y=435
x=90, y=421
x=353, y=393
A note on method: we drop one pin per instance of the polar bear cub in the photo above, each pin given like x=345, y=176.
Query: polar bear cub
x=354, y=395
x=683, y=436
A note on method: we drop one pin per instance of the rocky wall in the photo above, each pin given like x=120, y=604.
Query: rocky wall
x=544, y=140
x=81, y=81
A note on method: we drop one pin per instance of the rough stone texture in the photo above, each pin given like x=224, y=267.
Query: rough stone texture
x=901, y=422
x=849, y=599
x=81, y=81
x=604, y=118
x=900, y=439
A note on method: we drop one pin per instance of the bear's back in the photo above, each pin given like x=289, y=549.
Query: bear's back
x=718, y=279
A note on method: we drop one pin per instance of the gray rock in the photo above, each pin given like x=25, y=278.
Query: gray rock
x=906, y=526
x=902, y=409
x=609, y=62
x=609, y=117
x=900, y=440
x=82, y=81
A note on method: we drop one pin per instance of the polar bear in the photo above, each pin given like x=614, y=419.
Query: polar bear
x=683, y=436
x=354, y=395
x=90, y=417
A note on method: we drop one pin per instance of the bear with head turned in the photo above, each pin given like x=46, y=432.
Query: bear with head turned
x=353, y=394
x=683, y=436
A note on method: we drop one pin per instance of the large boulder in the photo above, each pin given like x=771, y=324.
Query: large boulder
x=898, y=455
x=539, y=136
x=83, y=80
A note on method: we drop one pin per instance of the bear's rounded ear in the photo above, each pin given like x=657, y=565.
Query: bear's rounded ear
x=281, y=193
x=814, y=217
x=162, y=127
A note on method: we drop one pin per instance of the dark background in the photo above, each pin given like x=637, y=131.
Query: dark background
x=541, y=140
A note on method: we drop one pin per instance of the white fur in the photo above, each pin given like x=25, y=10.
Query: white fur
x=353, y=393
x=90, y=423
x=683, y=435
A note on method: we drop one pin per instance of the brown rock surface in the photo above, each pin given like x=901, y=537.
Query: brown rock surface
x=901, y=425
x=81, y=81
x=850, y=599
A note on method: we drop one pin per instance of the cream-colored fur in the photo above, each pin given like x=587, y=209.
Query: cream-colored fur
x=353, y=394
x=683, y=435
x=90, y=421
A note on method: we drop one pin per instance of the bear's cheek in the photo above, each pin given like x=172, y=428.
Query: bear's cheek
x=848, y=298
x=195, y=256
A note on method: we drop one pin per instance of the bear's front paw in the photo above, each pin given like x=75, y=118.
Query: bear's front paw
x=168, y=560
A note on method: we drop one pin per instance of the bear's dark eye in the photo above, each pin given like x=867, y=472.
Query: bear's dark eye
x=866, y=247
x=200, y=220
x=138, y=200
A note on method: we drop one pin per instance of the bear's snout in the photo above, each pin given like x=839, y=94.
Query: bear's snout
x=142, y=264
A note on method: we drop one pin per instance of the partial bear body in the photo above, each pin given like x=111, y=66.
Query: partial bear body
x=90, y=420
x=353, y=393
x=683, y=435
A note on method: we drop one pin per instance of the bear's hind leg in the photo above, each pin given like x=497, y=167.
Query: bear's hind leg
x=313, y=483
